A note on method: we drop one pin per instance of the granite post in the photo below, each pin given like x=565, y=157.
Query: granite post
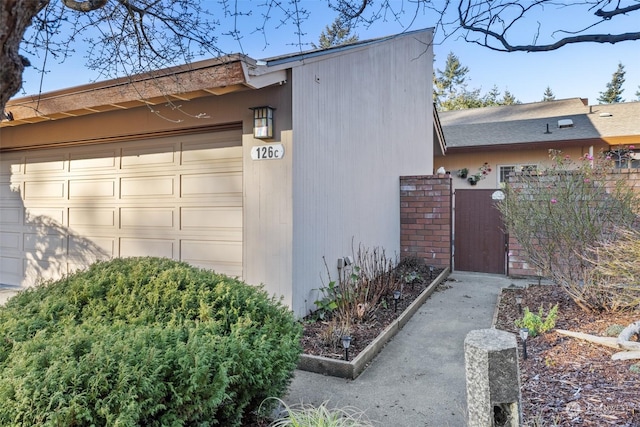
x=493, y=379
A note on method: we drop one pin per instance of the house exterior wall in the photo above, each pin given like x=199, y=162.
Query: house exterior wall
x=361, y=118
x=472, y=160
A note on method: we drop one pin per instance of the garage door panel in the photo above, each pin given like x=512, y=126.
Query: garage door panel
x=93, y=161
x=149, y=187
x=10, y=167
x=42, y=164
x=90, y=248
x=10, y=217
x=211, y=184
x=203, y=218
x=11, y=270
x=220, y=256
x=150, y=156
x=147, y=218
x=44, y=190
x=203, y=152
x=92, y=188
x=9, y=240
x=40, y=216
x=42, y=245
x=10, y=193
x=130, y=247
x=92, y=217
x=37, y=270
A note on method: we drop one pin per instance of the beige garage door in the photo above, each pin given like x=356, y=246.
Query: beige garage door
x=176, y=197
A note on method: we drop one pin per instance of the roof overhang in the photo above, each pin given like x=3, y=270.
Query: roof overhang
x=220, y=76
x=538, y=145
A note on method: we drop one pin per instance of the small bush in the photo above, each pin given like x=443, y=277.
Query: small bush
x=535, y=323
x=321, y=416
x=143, y=342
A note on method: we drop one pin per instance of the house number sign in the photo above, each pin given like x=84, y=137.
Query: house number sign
x=267, y=152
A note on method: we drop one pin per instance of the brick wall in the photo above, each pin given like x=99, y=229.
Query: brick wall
x=425, y=219
x=518, y=261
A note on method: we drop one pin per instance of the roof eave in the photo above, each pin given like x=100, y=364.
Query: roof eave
x=204, y=78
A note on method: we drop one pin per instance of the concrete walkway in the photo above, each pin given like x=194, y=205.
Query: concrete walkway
x=418, y=379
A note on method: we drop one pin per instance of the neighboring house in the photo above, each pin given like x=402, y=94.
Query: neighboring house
x=510, y=138
x=168, y=165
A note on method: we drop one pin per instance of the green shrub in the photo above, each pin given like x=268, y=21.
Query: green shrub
x=535, y=323
x=321, y=416
x=143, y=342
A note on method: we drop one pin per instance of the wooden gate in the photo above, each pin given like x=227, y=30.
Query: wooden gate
x=479, y=239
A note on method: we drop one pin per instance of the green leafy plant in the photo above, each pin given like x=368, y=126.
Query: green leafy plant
x=143, y=341
x=538, y=323
x=320, y=416
x=328, y=302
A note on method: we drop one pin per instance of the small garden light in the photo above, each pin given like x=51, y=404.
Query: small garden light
x=346, y=342
x=519, y=303
x=431, y=271
x=396, y=297
x=524, y=334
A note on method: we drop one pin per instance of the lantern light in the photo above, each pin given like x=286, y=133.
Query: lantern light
x=263, y=122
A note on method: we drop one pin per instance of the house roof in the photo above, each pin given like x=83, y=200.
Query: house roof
x=540, y=123
x=216, y=76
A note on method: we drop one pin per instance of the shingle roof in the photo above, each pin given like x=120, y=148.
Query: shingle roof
x=527, y=123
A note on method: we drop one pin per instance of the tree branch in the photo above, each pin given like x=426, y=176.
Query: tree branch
x=608, y=15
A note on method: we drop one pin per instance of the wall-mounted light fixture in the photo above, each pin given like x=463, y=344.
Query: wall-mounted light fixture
x=263, y=122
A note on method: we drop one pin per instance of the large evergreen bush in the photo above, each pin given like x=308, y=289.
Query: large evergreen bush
x=143, y=342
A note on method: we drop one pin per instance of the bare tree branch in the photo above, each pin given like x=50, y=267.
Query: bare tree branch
x=618, y=11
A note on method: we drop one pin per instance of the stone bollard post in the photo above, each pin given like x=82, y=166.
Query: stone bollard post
x=493, y=379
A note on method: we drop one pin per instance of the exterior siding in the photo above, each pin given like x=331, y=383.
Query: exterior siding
x=474, y=159
x=362, y=119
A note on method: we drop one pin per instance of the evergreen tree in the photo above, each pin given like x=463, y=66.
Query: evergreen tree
x=336, y=34
x=451, y=80
x=462, y=100
x=548, y=95
x=614, y=90
x=492, y=97
x=451, y=91
x=638, y=93
x=509, y=99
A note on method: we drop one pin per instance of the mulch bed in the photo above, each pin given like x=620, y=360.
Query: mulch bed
x=566, y=381
x=315, y=341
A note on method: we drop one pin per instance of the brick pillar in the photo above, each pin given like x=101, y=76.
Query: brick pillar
x=425, y=219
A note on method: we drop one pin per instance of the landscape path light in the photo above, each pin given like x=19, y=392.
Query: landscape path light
x=519, y=303
x=396, y=297
x=346, y=342
x=524, y=334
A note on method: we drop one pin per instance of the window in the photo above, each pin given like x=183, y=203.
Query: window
x=506, y=170
x=625, y=158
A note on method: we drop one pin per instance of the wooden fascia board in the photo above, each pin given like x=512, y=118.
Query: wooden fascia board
x=438, y=133
x=148, y=89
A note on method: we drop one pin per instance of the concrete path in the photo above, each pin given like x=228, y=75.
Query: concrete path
x=418, y=379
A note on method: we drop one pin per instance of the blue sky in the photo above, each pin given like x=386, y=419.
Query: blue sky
x=581, y=70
